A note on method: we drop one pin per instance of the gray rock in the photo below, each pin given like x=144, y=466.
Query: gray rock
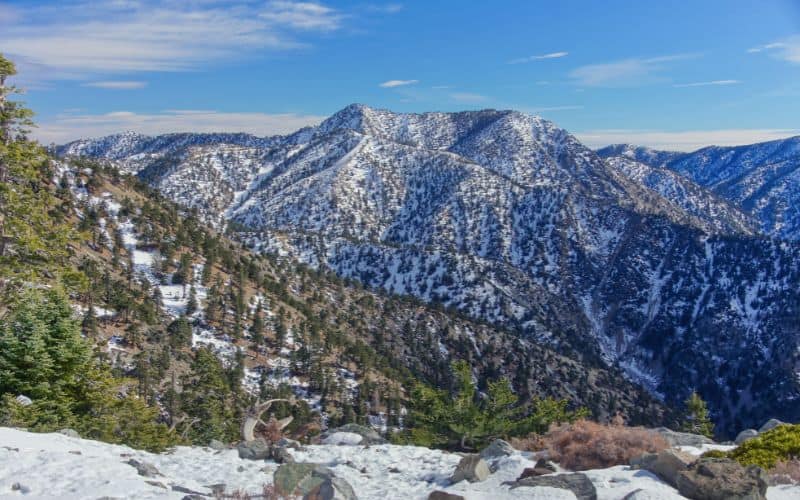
x=70, y=433
x=184, y=489
x=542, y=468
x=254, y=450
x=144, y=468
x=311, y=481
x=472, y=468
x=215, y=444
x=745, y=435
x=23, y=400
x=288, y=443
x=369, y=436
x=770, y=424
x=577, y=483
x=443, y=495
x=722, y=479
x=666, y=464
x=682, y=438
x=281, y=455
x=497, y=448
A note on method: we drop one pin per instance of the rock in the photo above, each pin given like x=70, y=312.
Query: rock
x=281, y=455
x=370, y=436
x=443, y=495
x=215, y=444
x=217, y=489
x=722, y=479
x=683, y=438
x=157, y=484
x=343, y=439
x=70, y=433
x=288, y=443
x=311, y=481
x=254, y=450
x=23, y=400
x=770, y=424
x=666, y=464
x=144, y=468
x=184, y=489
x=745, y=435
x=577, y=483
x=497, y=448
x=472, y=468
x=534, y=471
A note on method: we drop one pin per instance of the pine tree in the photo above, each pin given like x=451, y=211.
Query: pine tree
x=696, y=419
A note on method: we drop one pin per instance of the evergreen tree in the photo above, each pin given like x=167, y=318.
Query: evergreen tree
x=696, y=419
x=207, y=397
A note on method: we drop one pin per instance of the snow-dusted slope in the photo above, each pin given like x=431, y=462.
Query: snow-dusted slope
x=762, y=179
x=57, y=466
x=510, y=219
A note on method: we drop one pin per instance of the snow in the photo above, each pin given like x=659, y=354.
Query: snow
x=343, y=438
x=58, y=466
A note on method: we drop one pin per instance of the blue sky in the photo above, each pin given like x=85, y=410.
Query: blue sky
x=670, y=74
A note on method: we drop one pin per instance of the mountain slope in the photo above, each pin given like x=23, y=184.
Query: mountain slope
x=511, y=220
x=763, y=179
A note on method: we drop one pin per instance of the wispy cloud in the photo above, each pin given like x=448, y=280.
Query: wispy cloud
x=468, y=97
x=552, y=55
x=707, y=84
x=787, y=49
x=688, y=140
x=87, y=37
x=625, y=73
x=397, y=83
x=68, y=127
x=117, y=84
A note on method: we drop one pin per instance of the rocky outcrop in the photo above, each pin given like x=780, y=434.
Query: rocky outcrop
x=577, y=483
x=722, y=479
x=675, y=438
x=666, y=464
x=745, y=435
x=472, y=468
x=311, y=481
x=497, y=448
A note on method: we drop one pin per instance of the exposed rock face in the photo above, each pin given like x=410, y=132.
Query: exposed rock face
x=683, y=438
x=443, y=495
x=577, y=483
x=472, y=468
x=745, y=435
x=666, y=464
x=497, y=448
x=312, y=482
x=722, y=479
x=257, y=449
x=770, y=424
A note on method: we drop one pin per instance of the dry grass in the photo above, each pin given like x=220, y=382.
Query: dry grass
x=588, y=445
x=786, y=472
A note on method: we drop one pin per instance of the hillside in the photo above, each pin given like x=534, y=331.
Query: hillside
x=512, y=221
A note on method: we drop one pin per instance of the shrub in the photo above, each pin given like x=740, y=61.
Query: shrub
x=776, y=445
x=587, y=445
x=715, y=454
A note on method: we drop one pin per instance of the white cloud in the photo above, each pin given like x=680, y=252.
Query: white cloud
x=117, y=84
x=707, y=84
x=69, y=127
x=302, y=15
x=88, y=37
x=552, y=55
x=468, y=97
x=787, y=49
x=397, y=83
x=625, y=73
x=689, y=140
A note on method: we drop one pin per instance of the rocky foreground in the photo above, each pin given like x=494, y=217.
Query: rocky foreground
x=61, y=466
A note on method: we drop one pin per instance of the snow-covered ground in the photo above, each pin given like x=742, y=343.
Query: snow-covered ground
x=58, y=466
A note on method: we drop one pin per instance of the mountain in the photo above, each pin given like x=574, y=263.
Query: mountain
x=762, y=180
x=512, y=221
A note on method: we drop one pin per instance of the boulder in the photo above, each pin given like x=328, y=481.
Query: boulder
x=683, y=438
x=497, y=448
x=143, y=468
x=722, y=479
x=542, y=468
x=666, y=464
x=579, y=484
x=281, y=455
x=472, y=468
x=443, y=495
x=70, y=433
x=343, y=439
x=217, y=445
x=312, y=482
x=254, y=450
x=770, y=424
x=369, y=436
x=745, y=435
